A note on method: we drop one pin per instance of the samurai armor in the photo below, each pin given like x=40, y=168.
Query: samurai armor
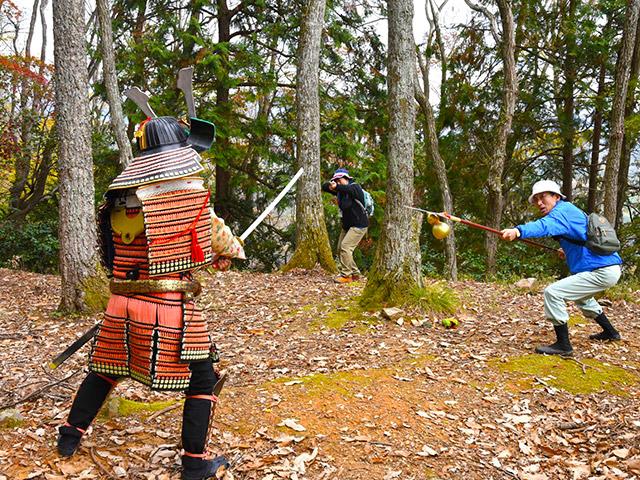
x=158, y=167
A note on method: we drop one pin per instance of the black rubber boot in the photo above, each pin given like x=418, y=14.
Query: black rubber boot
x=199, y=468
x=68, y=440
x=562, y=345
x=196, y=417
x=608, y=331
x=89, y=399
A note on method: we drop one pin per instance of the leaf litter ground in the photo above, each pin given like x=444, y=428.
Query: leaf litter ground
x=320, y=390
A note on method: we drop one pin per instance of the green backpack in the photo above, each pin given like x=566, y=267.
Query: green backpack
x=601, y=236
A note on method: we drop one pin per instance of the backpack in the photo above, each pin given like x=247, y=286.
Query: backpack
x=601, y=237
x=368, y=206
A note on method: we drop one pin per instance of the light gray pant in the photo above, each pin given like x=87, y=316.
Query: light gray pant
x=578, y=288
x=347, y=243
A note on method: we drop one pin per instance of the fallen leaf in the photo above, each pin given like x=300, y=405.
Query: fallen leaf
x=293, y=424
x=621, y=452
x=427, y=451
x=300, y=461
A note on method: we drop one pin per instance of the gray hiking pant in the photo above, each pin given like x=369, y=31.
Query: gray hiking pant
x=579, y=288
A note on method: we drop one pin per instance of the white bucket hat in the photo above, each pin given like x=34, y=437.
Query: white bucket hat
x=545, y=186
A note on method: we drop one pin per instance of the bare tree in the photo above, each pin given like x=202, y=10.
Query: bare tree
x=565, y=100
x=616, y=142
x=34, y=161
x=396, y=266
x=594, y=164
x=78, y=259
x=507, y=42
x=629, y=140
x=312, y=239
x=111, y=82
x=422, y=96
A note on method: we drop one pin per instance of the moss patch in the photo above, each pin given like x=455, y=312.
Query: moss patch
x=348, y=314
x=10, y=418
x=120, y=407
x=567, y=374
x=96, y=291
x=341, y=383
x=577, y=320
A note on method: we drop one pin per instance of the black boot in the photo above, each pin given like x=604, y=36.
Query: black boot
x=89, y=399
x=199, y=468
x=608, y=331
x=196, y=416
x=68, y=440
x=562, y=346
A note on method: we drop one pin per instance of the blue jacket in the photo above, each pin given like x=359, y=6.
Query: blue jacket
x=568, y=220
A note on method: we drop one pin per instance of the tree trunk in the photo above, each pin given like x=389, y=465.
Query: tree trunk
x=496, y=168
x=440, y=167
x=78, y=259
x=616, y=141
x=594, y=166
x=43, y=18
x=25, y=192
x=312, y=240
x=396, y=266
x=111, y=82
x=628, y=144
x=567, y=122
x=223, y=174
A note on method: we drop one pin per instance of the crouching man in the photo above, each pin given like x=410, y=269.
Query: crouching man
x=591, y=273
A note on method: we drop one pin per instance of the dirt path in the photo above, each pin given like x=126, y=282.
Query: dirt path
x=320, y=390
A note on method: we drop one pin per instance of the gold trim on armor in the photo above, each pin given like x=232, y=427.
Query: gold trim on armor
x=154, y=286
x=127, y=227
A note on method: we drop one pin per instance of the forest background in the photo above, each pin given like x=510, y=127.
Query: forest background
x=569, y=65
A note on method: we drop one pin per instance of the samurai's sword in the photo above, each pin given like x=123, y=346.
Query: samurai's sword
x=75, y=346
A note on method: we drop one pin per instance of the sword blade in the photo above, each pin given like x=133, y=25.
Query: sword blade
x=74, y=347
x=272, y=205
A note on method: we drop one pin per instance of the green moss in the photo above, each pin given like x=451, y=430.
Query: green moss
x=314, y=248
x=10, y=418
x=341, y=383
x=567, y=374
x=12, y=423
x=96, y=291
x=351, y=314
x=121, y=407
x=420, y=361
x=390, y=288
x=577, y=320
x=435, y=298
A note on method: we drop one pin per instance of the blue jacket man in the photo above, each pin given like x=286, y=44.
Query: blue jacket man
x=591, y=273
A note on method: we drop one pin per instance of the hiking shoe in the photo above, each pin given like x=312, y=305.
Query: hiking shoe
x=342, y=280
x=199, y=469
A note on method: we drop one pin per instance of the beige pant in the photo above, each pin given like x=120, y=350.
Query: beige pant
x=347, y=243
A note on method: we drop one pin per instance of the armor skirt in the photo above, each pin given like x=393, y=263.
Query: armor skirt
x=151, y=338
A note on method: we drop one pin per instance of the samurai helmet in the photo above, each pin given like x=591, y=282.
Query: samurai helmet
x=160, y=134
